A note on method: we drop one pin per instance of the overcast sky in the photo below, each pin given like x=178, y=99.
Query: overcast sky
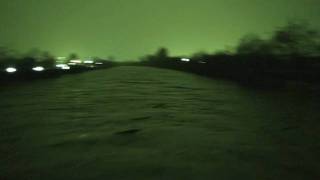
x=128, y=29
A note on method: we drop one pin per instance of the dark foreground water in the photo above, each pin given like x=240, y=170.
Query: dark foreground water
x=144, y=123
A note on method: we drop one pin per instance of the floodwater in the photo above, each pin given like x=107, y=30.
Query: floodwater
x=147, y=123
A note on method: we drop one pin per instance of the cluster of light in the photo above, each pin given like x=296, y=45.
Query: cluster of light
x=76, y=61
x=72, y=64
x=11, y=70
x=185, y=60
x=38, y=68
x=60, y=65
x=88, y=62
x=63, y=66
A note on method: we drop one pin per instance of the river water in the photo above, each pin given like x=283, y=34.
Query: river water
x=148, y=123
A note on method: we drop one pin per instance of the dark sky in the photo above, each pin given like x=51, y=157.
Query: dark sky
x=128, y=29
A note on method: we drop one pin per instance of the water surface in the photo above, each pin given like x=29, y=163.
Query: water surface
x=147, y=123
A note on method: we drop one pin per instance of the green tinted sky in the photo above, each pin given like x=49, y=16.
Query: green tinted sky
x=131, y=28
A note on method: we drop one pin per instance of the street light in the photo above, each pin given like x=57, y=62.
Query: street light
x=38, y=68
x=185, y=59
x=11, y=70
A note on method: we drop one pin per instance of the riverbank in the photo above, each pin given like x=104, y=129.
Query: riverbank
x=26, y=76
x=260, y=72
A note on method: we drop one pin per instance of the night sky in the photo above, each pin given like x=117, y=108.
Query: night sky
x=128, y=29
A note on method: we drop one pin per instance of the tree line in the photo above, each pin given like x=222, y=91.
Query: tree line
x=291, y=53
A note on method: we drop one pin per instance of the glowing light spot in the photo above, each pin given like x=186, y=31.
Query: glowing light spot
x=72, y=64
x=98, y=63
x=11, y=70
x=185, y=60
x=88, y=62
x=202, y=62
x=63, y=66
x=78, y=61
x=38, y=68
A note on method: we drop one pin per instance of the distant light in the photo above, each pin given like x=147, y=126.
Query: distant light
x=76, y=61
x=202, y=62
x=98, y=63
x=38, y=68
x=88, y=62
x=72, y=64
x=185, y=60
x=11, y=70
x=63, y=66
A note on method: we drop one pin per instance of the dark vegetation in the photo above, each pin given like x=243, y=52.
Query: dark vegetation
x=291, y=54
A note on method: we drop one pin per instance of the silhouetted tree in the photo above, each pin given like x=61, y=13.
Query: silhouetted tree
x=47, y=60
x=26, y=63
x=160, y=57
x=253, y=45
x=296, y=39
x=162, y=53
x=73, y=56
x=34, y=53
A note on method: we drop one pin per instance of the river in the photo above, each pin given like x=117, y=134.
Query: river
x=147, y=123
